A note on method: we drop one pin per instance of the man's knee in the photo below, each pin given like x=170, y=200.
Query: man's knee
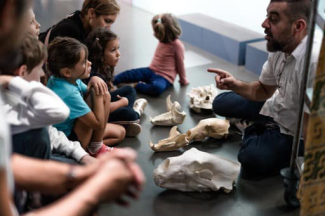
x=252, y=163
x=220, y=104
x=257, y=163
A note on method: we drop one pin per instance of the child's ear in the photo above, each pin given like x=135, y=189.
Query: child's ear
x=21, y=71
x=66, y=72
x=91, y=13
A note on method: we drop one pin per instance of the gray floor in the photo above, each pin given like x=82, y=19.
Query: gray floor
x=258, y=197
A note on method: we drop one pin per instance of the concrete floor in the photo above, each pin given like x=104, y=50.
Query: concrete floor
x=250, y=197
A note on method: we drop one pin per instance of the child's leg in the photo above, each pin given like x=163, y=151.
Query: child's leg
x=155, y=87
x=86, y=134
x=124, y=113
x=125, y=91
x=134, y=75
x=113, y=134
x=33, y=143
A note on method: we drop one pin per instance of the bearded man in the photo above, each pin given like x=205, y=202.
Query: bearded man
x=272, y=102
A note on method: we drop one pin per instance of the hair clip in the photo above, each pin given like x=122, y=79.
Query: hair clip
x=158, y=20
x=97, y=39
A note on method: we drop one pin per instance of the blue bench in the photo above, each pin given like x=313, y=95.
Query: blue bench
x=256, y=56
x=226, y=40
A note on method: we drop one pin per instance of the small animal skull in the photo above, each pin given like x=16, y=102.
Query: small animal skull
x=171, y=118
x=195, y=170
x=171, y=143
x=202, y=98
x=211, y=127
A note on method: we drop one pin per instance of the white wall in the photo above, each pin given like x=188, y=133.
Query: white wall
x=246, y=13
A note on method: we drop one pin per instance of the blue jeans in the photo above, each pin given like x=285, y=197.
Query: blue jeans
x=33, y=143
x=153, y=84
x=124, y=113
x=265, y=150
x=232, y=105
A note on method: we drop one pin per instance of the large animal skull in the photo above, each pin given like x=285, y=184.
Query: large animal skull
x=171, y=118
x=195, y=170
x=171, y=143
x=211, y=127
x=202, y=98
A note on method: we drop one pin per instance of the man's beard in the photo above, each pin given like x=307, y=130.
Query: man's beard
x=274, y=45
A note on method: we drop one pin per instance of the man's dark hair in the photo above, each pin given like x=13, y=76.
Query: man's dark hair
x=297, y=9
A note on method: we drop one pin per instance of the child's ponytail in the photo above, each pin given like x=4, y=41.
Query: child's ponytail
x=166, y=27
x=158, y=28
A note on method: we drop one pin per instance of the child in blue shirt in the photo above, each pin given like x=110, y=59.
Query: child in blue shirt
x=68, y=64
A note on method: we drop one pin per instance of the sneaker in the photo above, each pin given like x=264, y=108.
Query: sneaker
x=132, y=128
x=103, y=150
x=139, y=105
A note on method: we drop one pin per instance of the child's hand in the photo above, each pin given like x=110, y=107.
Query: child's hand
x=98, y=84
x=5, y=80
x=124, y=101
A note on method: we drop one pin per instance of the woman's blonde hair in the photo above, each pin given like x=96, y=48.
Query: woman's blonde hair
x=101, y=7
x=166, y=27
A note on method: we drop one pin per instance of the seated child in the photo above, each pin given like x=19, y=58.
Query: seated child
x=34, y=27
x=87, y=122
x=167, y=62
x=25, y=120
x=104, y=54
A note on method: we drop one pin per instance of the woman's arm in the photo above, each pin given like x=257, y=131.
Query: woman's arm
x=48, y=177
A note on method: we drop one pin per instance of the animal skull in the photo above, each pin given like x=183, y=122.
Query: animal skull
x=173, y=117
x=202, y=98
x=211, y=127
x=171, y=143
x=195, y=170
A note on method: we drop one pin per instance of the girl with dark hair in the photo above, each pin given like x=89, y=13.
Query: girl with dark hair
x=167, y=62
x=104, y=53
x=87, y=122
